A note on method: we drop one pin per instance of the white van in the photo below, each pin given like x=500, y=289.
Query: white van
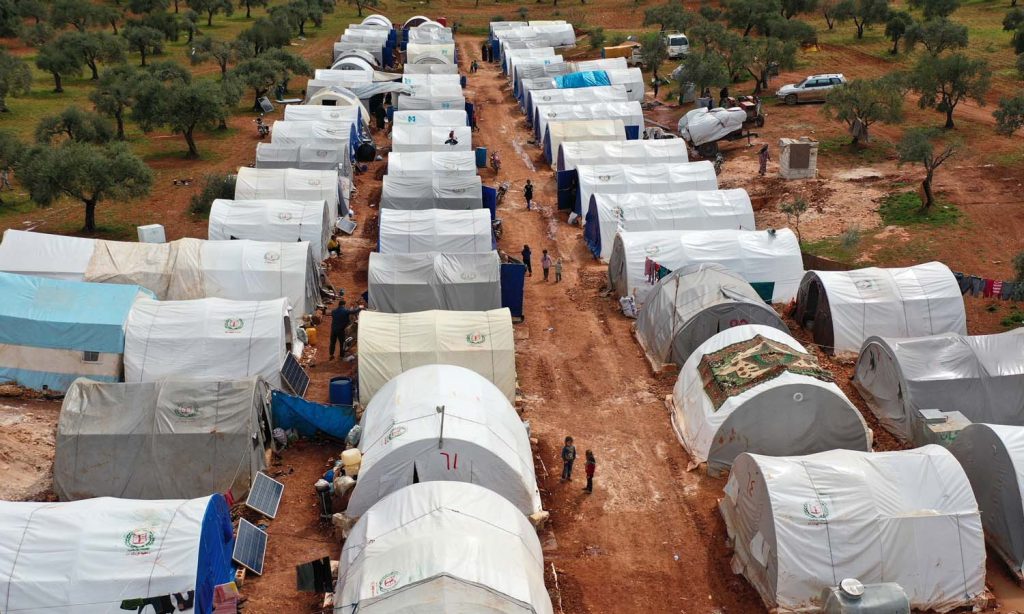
x=678, y=45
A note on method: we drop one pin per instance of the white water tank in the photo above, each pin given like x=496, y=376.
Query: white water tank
x=852, y=597
x=152, y=233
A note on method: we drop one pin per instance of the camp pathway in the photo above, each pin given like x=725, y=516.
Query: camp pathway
x=650, y=538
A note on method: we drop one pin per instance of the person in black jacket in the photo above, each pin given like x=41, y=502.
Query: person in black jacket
x=341, y=317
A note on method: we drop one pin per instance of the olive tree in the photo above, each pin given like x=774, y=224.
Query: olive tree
x=15, y=78
x=944, y=82
x=114, y=93
x=864, y=102
x=917, y=147
x=74, y=124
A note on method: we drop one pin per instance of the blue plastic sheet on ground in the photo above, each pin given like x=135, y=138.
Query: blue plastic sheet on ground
x=588, y=78
x=308, y=418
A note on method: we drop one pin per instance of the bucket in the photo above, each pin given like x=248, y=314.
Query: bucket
x=311, y=335
x=481, y=157
x=352, y=459
x=341, y=390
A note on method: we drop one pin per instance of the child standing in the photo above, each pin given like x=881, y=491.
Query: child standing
x=545, y=263
x=568, y=458
x=558, y=270
x=590, y=466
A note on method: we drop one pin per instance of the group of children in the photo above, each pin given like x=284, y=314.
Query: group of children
x=569, y=457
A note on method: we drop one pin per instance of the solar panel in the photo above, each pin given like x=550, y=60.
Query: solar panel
x=294, y=376
x=265, y=495
x=250, y=547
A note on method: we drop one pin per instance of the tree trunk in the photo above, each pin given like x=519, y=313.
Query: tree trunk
x=56, y=81
x=193, y=152
x=359, y=8
x=829, y=21
x=746, y=32
x=113, y=24
x=95, y=72
x=302, y=27
x=223, y=70
x=90, y=216
x=142, y=52
x=926, y=186
x=175, y=6
x=248, y=11
x=209, y=18
x=119, y=118
x=860, y=28
x=895, y=45
x=949, y=117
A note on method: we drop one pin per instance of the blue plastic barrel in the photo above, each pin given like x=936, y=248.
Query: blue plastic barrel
x=462, y=80
x=481, y=157
x=341, y=390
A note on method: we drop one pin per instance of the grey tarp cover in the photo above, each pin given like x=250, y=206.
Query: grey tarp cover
x=980, y=376
x=170, y=439
x=691, y=305
x=404, y=283
x=993, y=458
x=431, y=192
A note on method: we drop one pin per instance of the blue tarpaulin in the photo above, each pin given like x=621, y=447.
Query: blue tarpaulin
x=490, y=200
x=216, y=542
x=513, y=281
x=308, y=418
x=588, y=78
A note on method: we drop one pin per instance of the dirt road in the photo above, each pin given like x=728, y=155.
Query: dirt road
x=649, y=539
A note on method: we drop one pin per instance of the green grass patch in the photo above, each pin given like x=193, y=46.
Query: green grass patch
x=877, y=150
x=904, y=209
x=1014, y=320
x=832, y=248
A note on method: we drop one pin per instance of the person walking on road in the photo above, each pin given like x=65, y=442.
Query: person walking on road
x=763, y=157
x=590, y=466
x=341, y=317
x=545, y=264
x=528, y=194
x=568, y=458
x=558, y=269
x=656, y=83
x=526, y=253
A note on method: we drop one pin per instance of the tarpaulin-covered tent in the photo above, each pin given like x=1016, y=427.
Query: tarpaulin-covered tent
x=431, y=69
x=401, y=444
x=272, y=220
x=568, y=154
x=431, y=192
x=843, y=308
x=310, y=419
x=980, y=376
x=992, y=456
x=435, y=230
x=753, y=388
x=444, y=163
x=691, y=305
x=802, y=524
x=481, y=341
x=403, y=283
x=631, y=80
x=161, y=440
x=317, y=155
x=418, y=80
x=53, y=331
x=437, y=96
x=641, y=179
x=179, y=270
x=432, y=117
x=429, y=35
x=539, y=100
x=210, y=338
x=689, y=210
x=408, y=553
x=308, y=112
x=584, y=130
x=106, y=555
x=521, y=58
x=539, y=75
x=410, y=138
x=631, y=114
x=701, y=126
x=293, y=184
x=770, y=261
x=318, y=134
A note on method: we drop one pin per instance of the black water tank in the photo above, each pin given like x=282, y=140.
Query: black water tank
x=366, y=152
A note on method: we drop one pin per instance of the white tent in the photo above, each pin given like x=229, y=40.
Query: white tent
x=754, y=388
x=843, y=308
x=179, y=270
x=357, y=63
x=98, y=555
x=287, y=132
x=701, y=125
x=537, y=100
x=425, y=80
x=316, y=155
x=431, y=69
x=481, y=341
x=429, y=36
x=435, y=230
x=585, y=130
x=432, y=117
x=802, y=524
x=632, y=79
x=330, y=95
x=436, y=96
x=690, y=210
x=981, y=377
x=308, y=112
x=642, y=178
x=209, y=338
x=378, y=20
x=415, y=51
x=649, y=151
x=431, y=192
x=403, y=283
x=483, y=441
x=631, y=114
x=411, y=138
x=992, y=456
x=410, y=553
x=432, y=163
x=691, y=305
x=770, y=261
x=375, y=47
x=272, y=220
x=293, y=184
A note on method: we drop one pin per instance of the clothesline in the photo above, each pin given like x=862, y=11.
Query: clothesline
x=989, y=288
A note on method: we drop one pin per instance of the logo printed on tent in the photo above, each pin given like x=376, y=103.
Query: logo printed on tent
x=475, y=338
x=388, y=582
x=272, y=257
x=284, y=216
x=816, y=510
x=233, y=325
x=652, y=250
x=139, y=541
x=186, y=412
x=394, y=433
x=617, y=212
x=315, y=182
x=604, y=177
x=467, y=276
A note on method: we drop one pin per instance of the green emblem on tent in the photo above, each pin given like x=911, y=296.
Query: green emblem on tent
x=138, y=541
x=233, y=324
x=816, y=510
x=394, y=433
x=652, y=250
x=186, y=412
x=388, y=582
x=475, y=338
x=617, y=212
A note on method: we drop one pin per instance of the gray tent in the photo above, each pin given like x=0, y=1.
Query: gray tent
x=981, y=377
x=993, y=459
x=404, y=283
x=172, y=439
x=691, y=305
